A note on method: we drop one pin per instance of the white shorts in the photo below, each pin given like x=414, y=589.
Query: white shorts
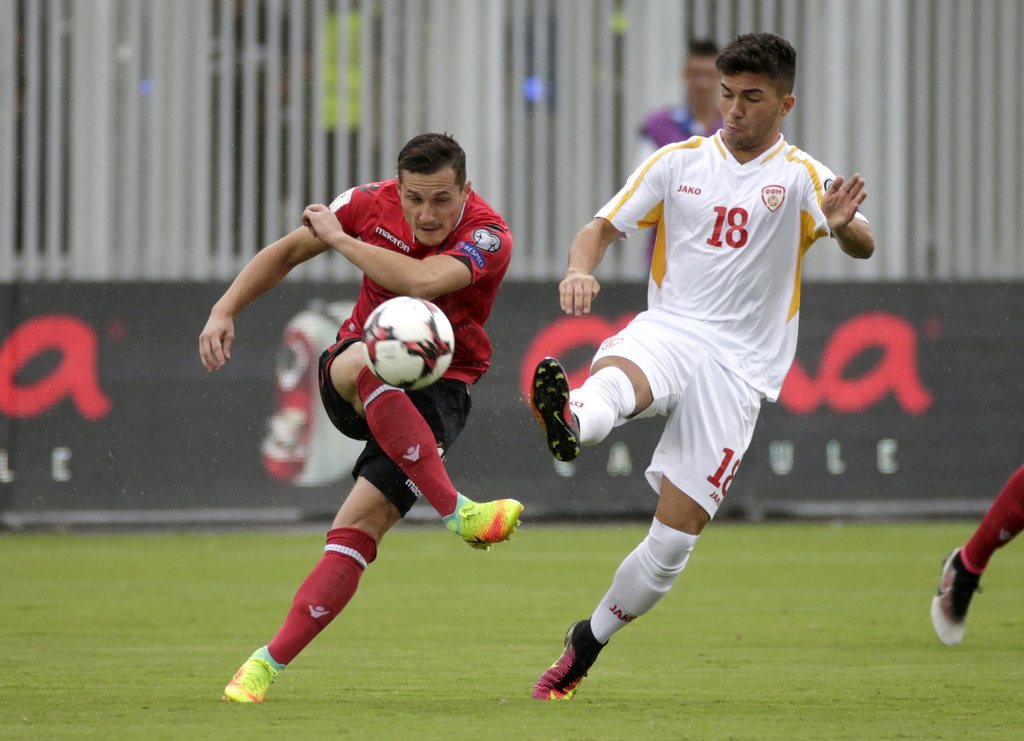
x=711, y=411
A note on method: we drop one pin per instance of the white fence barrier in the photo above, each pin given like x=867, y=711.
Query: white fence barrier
x=171, y=139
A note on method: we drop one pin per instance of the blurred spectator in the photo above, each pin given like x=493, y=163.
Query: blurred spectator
x=699, y=114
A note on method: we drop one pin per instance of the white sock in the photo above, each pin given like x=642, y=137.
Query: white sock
x=600, y=402
x=643, y=578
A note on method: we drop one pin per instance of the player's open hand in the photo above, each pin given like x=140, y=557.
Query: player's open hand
x=842, y=200
x=215, y=342
x=577, y=291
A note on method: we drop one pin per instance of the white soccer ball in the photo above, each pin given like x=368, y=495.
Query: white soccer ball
x=408, y=342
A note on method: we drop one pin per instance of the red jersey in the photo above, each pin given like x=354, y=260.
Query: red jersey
x=372, y=213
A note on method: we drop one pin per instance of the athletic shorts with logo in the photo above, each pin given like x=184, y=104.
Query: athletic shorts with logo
x=710, y=410
x=444, y=405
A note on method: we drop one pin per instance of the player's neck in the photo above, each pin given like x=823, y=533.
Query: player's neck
x=743, y=156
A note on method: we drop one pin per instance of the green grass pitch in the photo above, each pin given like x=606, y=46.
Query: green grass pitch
x=786, y=631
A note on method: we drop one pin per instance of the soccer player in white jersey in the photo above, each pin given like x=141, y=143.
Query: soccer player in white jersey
x=735, y=214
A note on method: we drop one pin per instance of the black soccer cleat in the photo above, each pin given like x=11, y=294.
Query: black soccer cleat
x=549, y=398
x=562, y=679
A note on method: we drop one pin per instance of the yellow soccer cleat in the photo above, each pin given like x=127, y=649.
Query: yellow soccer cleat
x=250, y=682
x=482, y=524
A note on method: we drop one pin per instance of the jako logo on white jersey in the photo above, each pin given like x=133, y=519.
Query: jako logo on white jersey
x=392, y=238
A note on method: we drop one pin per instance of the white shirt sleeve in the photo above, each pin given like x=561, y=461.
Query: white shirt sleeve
x=643, y=192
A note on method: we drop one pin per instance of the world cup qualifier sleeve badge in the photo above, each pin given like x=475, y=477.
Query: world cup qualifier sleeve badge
x=772, y=196
x=486, y=240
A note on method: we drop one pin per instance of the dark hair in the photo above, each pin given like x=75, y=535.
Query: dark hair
x=702, y=48
x=760, y=52
x=428, y=153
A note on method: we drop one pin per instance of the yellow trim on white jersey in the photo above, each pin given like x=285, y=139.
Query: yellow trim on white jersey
x=782, y=144
x=808, y=236
x=727, y=263
x=692, y=143
x=656, y=216
x=791, y=156
x=717, y=139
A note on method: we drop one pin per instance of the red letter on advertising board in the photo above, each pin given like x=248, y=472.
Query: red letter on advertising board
x=896, y=371
x=76, y=375
x=563, y=335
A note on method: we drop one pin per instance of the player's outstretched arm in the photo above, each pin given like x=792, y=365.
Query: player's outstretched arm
x=840, y=205
x=264, y=271
x=578, y=288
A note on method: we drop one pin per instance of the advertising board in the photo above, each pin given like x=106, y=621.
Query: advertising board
x=903, y=400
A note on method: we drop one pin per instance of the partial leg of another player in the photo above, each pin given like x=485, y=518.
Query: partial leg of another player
x=963, y=567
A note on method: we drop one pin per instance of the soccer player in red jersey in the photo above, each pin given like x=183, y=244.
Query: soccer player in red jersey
x=963, y=567
x=426, y=234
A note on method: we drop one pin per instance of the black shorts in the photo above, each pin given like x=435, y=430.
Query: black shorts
x=444, y=405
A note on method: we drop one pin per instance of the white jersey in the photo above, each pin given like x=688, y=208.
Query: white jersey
x=731, y=237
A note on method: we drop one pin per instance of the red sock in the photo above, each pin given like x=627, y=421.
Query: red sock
x=399, y=428
x=325, y=592
x=1004, y=519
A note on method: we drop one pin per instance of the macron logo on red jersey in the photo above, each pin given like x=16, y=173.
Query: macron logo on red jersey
x=393, y=239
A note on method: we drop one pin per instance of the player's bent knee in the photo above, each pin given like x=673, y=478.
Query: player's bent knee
x=344, y=372
x=605, y=399
x=635, y=388
x=369, y=509
x=343, y=415
x=679, y=512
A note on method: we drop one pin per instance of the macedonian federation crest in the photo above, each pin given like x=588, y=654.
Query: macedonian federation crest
x=773, y=196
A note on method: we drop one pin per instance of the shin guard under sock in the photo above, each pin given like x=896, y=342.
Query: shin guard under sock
x=325, y=592
x=406, y=438
x=643, y=578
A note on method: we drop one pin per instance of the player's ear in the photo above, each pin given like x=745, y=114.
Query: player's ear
x=788, y=101
x=467, y=188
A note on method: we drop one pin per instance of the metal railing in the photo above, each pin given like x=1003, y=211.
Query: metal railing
x=171, y=139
